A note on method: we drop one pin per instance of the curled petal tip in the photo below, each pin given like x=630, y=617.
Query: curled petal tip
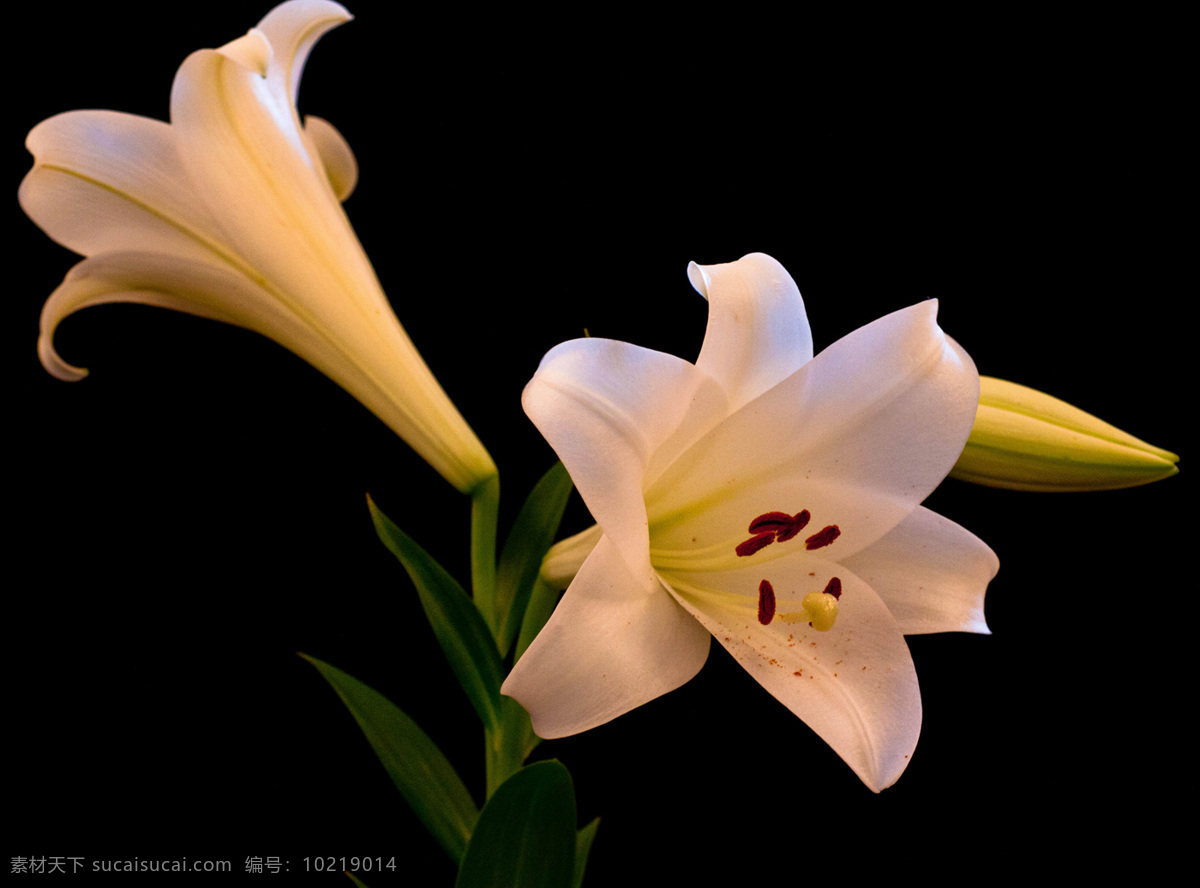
x=56, y=366
x=698, y=278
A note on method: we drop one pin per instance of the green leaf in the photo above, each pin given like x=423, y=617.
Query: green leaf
x=424, y=777
x=525, y=837
x=457, y=624
x=521, y=558
x=583, y=847
x=356, y=880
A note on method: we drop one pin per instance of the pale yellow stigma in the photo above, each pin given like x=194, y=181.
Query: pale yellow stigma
x=818, y=609
x=822, y=610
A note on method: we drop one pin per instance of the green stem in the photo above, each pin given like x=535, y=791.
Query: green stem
x=508, y=745
x=485, y=509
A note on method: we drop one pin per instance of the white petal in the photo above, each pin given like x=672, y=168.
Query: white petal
x=612, y=644
x=104, y=181
x=854, y=685
x=606, y=407
x=859, y=436
x=931, y=573
x=758, y=333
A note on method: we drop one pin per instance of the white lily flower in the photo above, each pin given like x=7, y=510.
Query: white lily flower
x=768, y=498
x=232, y=212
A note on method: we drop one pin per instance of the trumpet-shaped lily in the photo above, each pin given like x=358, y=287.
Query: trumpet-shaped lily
x=765, y=497
x=232, y=212
x=1026, y=440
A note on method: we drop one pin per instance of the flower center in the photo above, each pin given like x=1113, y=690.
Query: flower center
x=818, y=609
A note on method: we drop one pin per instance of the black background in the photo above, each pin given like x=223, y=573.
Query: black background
x=191, y=515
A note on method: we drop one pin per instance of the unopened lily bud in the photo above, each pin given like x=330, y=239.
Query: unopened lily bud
x=1023, y=439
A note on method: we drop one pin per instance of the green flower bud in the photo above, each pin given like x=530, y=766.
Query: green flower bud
x=1023, y=439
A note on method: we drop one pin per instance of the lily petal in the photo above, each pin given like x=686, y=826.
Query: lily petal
x=859, y=436
x=334, y=152
x=606, y=407
x=198, y=288
x=855, y=685
x=292, y=29
x=274, y=201
x=758, y=332
x=105, y=181
x=931, y=573
x=613, y=643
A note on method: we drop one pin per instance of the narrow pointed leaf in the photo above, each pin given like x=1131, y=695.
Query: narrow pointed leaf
x=525, y=836
x=528, y=542
x=424, y=777
x=583, y=847
x=460, y=630
x=356, y=880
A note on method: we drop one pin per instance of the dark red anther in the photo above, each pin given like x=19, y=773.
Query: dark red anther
x=772, y=521
x=753, y=544
x=834, y=588
x=795, y=524
x=823, y=537
x=766, y=603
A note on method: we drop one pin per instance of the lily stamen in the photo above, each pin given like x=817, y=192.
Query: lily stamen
x=771, y=527
x=766, y=602
x=823, y=537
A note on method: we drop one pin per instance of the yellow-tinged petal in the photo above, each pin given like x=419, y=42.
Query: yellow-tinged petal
x=334, y=152
x=104, y=181
x=199, y=288
x=1024, y=439
x=565, y=557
